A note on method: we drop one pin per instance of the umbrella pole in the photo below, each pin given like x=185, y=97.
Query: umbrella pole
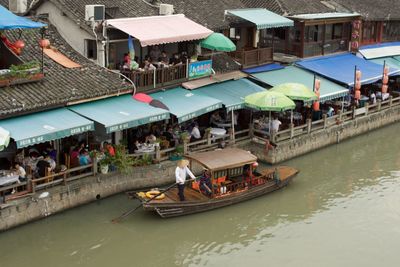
x=291, y=116
x=269, y=124
x=233, y=126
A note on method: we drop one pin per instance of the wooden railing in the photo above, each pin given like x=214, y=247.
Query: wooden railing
x=253, y=57
x=33, y=185
x=326, y=122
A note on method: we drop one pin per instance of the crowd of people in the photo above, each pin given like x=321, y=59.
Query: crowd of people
x=155, y=59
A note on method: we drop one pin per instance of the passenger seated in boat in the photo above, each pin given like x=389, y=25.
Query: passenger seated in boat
x=205, y=183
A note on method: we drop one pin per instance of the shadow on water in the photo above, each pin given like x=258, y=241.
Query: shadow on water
x=86, y=237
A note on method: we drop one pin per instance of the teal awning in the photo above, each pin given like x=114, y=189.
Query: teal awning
x=392, y=62
x=262, y=18
x=45, y=126
x=231, y=93
x=185, y=104
x=329, y=90
x=120, y=112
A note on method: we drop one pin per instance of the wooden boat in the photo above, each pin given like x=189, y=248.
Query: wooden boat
x=227, y=174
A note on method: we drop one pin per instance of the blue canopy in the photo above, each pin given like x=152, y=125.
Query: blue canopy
x=186, y=105
x=231, y=93
x=120, y=112
x=45, y=126
x=340, y=68
x=291, y=74
x=263, y=68
x=9, y=21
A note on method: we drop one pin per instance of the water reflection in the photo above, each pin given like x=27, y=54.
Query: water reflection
x=346, y=189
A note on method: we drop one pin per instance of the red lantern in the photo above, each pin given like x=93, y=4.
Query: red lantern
x=384, y=88
x=357, y=94
x=316, y=106
x=19, y=44
x=354, y=45
x=386, y=70
x=44, y=43
x=385, y=79
x=357, y=86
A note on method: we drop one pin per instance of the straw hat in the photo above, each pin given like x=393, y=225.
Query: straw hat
x=183, y=163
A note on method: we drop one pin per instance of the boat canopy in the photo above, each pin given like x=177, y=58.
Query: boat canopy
x=223, y=159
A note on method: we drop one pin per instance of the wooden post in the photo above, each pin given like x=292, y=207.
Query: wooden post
x=158, y=153
x=29, y=184
x=366, y=108
x=324, y=117
x=390, y=101
x=94, y=160
x=251, y=130
x=273, y=136
x=339, y=113
x=354, y=113
x=65, y=178
x=291, y=127
x=379, y=103
x=209, y=138
x=309, y=121
x=185, y=146
x=33, y=186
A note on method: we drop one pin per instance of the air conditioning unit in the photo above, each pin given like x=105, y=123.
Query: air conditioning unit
x=17, y=6
x=94, y=12
x=166, y=9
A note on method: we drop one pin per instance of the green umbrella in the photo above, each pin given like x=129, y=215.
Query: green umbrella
x=218, y=42
x=269, y=101
x=295, y=91
x=4, y=138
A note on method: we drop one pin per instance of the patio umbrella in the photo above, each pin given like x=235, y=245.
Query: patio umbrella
x=158, y=104
x=295, y=91
x=4, y=138
x=142, y=97
x=269, y=101
x=218, y=42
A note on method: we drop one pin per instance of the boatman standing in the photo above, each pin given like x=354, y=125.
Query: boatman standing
x=181, y=172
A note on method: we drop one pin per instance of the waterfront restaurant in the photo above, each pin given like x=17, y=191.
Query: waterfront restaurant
x=176, y=35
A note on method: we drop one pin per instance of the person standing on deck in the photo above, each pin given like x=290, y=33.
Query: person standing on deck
x=181, y=172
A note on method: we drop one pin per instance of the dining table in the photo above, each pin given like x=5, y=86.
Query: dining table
x=8, y=179
x=217, y=132
x=145, y=148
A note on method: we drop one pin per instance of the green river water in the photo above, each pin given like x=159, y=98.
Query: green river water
x=343, y=209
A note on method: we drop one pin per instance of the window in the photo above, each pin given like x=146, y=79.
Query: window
x=328, y=31
x=313, y=33
x=391, y=31
x=369, y=31
x=337, y=31
x=90, y=49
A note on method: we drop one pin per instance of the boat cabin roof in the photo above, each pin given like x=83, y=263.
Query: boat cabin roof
x=224, y=159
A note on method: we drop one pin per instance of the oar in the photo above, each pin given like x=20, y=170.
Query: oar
x=135, y=208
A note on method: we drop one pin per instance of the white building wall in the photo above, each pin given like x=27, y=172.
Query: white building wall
x=68, y=29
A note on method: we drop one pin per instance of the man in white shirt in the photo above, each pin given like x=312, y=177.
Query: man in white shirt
x=181, y=172
x=21, y=172
x=195, y=132
x=275, y=125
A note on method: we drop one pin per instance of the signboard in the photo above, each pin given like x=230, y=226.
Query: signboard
x=200, y=69
x=136, y=122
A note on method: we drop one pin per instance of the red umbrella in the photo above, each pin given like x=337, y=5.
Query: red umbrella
x=142, y=97
x=158, y=104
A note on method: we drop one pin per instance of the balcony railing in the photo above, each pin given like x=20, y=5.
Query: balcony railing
x=160, y=77
x=13, y=77
x=253, y=57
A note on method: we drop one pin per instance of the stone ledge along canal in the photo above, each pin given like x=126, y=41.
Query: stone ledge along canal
x=343, y=209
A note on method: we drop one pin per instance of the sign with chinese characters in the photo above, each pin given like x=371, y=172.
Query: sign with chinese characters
x=136, y=122
x=53, y=135
x=200, y=69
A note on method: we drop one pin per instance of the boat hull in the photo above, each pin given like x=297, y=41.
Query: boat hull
x=166, y=210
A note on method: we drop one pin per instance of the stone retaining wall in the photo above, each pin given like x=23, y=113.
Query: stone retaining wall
x=84, y=191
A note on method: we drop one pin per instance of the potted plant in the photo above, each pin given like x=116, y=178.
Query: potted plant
x=122, y=160
x=177, y=155
x=104, y=163
x=185, y=137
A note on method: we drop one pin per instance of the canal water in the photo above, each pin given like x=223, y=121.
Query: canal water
x=343, y=209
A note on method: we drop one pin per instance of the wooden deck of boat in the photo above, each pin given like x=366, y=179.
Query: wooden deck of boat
x=171, y=196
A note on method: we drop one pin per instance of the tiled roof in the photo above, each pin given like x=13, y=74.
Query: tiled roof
x=374, y=10
x=290, y=7
x=60, y=85
x=209, y=13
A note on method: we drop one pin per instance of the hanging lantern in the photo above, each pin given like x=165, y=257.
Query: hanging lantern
x=358, y=75
x=357, y=94
x=384, y=89
x=354, y=45
x=317, y=84
x=44, y=43
x=316, y=106
x=385, y=79
x=386, y=70
x=19, y=44
x=356, y=24
x=357, y=85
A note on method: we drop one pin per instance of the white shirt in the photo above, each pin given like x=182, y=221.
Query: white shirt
x=195, y=133
x=373, y=97
x=21, y=172
x=275, y=125
x=180, y=174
